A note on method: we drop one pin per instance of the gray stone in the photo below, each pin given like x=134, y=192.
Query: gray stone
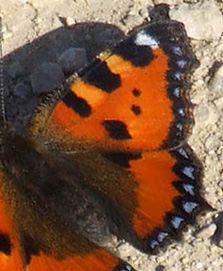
x=185, y=260
x=22, y=90
x=72, y=60
x=217, y=238
x=132, y=19
x=46, y=77
x=15, y=70
x=212, y=142
x=198, y=264
x=207, y=231
x=219, y=103
x=144, y=13
x=216, y=84
x=69, y=21
x=160, y=268
x=206, y=113
x=7, y=35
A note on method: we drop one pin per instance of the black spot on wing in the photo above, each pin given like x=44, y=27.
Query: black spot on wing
x=99, y=75
x=78, y=104
x=136, y=92
x=5, y=244
x=116, y=129
x=139, y=56
x=122, y=158
x=136, y=109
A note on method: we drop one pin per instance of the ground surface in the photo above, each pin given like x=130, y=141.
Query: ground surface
x=25, y=21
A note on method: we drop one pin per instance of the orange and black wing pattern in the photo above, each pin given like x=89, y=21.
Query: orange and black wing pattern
x=105, y=158
x=20, y=250
x=129, y=113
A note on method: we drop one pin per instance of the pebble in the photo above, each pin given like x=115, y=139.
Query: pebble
x=144, y=13
x=203, y=20
x=219, y=47
x=207, y=231
x=160, y=268
x=22, y=90
x=216, y=83
x=73, y=59
x=7, y=35
x=132, y=20
x=212, y=142
x=199, y=265
x=15, y=70
x=46, y=77
x=200, y=94
x=211, y=196
x=69, y=21
x=56, y=22
x=217, y=238
x=185, y=260
x=206, y=113
x=219, y=103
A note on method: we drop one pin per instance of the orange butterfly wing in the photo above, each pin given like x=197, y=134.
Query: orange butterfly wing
x=99, y=260
x=11, y=255
x=147, y=127
x=131, y=104
x=14, y=253
x=122, y=122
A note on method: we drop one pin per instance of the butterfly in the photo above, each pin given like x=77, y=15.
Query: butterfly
x=104, y=159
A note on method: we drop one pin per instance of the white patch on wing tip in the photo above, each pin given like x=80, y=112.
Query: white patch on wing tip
x=144, y=39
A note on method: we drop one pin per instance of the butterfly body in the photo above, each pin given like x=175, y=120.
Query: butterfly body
x=104, y=158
